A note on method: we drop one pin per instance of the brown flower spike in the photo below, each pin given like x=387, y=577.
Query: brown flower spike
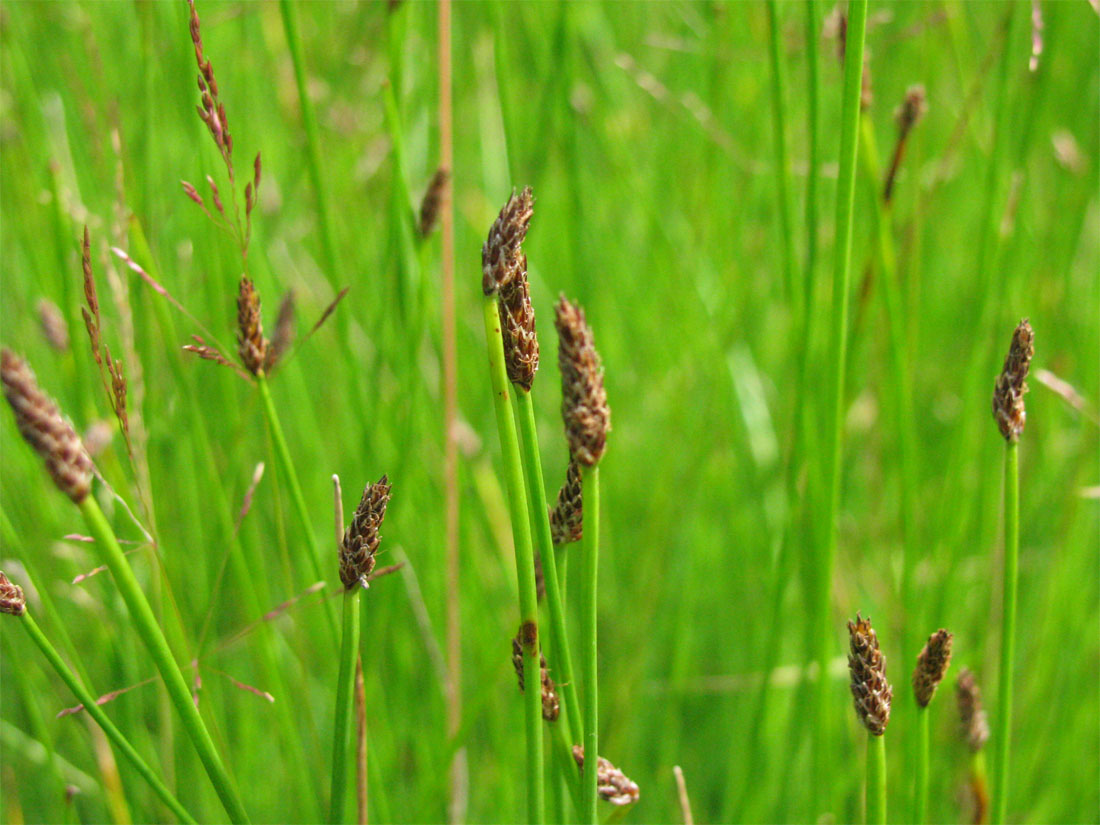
x=361, y=537
x=1008, y=392
x=517, y=328
x=567, y=517
x=42, y=426
x=972, y=720
x=611, y=783
x=583, y=398
x=932, y=664
x=870, y=690
x=500, y=255
x=251, y=344
x=432, y=204
x=551, y=707
x=11, y=597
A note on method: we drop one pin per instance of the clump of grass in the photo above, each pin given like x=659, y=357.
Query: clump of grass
x=1010, y=415
x=872, y=695
x=931, y=667
x=53, y=438
x=974, y=729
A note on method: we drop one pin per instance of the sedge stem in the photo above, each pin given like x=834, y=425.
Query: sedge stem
x=1008, y=631
x=590, y=545
x=344, y=691
x=922, y=766
x=876, y=780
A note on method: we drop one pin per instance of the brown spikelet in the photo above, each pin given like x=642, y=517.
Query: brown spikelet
x=551, y=706
x=42, y=426
x=52, y=323
x=932, y=664
x=867, y=666
x=912, y=109
x=584, y=407
x=283, y=338
x=191, y=192
x=517, y=327
x=1008, y=392
x=361, y=537
x=211, y=110
x=251, y=344
x=611, y=783
x=11, y=597
x=972, y=719
x=567, y=517
x=501, y=251
x=434, y=198
x=540, y=580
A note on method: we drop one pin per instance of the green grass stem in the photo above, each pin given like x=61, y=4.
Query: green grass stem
x=525, y=559
x=344, y=692
x=921, y=808
x=96, y=712
x=152, y=636
x=590, y=545
x=782, y=162
x=1002, y=734
x=876, y=780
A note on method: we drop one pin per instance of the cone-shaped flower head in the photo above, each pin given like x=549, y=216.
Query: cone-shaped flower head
x=931, y=666
x=43, y=427
x=583, y=398
x=972, y=719
x=432, y=205
x=517, y=328
x=611, y=783
x=870, y=690
x=551, y=706
x=567, y=517
x=251, y=344
x=1008, y=392
x=11, y=597
x=361, y=537
x=501, y=255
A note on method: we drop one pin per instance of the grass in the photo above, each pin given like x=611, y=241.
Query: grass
x=647, y=137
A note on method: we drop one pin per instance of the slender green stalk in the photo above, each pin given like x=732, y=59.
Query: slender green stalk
x=590, y=545
x=525, y=560
x=779, y=125
x=849, y=138
x=101, y=718
x=921, y=811
x=813, y=85
x=979, y=785
x=344, y=689
x=1001, y=783
x=152, y=636
x=876, y=780
x=286, y=464
x=536, y=501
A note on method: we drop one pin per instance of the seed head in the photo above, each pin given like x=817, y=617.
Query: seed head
x=283, y=338
x=972, y=720
x=583, y=398
x=54, y=327
x=500, y=255
x=432, y=205
x=870, y=690
x=932, y=664
x=551, y=707
x=11, y=597
x=911, y=110
x=361, y=538
x=251, y=344
x=611, y=784
x=517, y=327
x=1008, y=392
x=567, y=518
x=42, y=426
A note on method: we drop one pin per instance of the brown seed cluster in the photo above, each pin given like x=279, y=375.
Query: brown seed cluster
x=53, y=325
x=551, y=706
x=432, y=205
x=42, y=426
x=11, y=597
x=251, y=344
x=501, y=257
x=1008, y=392
x=583, y=398
x=870, y=690
x=567, y=517
x=932, y=664
x=211, y=111
x=972, y=719
x=361, y=538
x=911, y=110
x=611, y=783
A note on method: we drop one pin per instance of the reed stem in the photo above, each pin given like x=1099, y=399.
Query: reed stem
x=922, y=766
x=1001, y=783
x=876, y=780
x=779, y=126
x=113, y=733
x=525, y=560
x=344, y=692
x=590, y=545
x=152, y=636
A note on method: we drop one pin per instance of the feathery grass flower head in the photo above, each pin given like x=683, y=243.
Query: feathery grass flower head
x=611, y=783
x=251, y=344
x=583, y=397
x=42, y=426
x=972, y=719
x=432, y=204
x=932, y=664
x=12, y=601
x=870, y=690
x=500, y=255
x=1008, y=392
x=551, y=705
x=361, y=537
x=567, y=517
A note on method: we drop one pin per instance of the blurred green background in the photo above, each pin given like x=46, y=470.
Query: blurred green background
x=646, y=132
